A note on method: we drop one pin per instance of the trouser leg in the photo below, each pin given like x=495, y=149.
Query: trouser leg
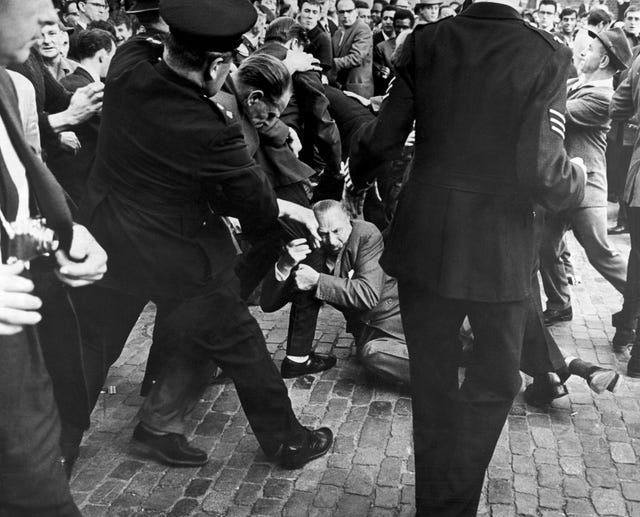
x=590, y=228
x=32, y=478
x=628, y=317
x=552, y=269
x=219, y=327
x=383, y=355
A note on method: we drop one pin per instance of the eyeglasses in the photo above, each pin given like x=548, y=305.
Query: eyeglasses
x=98, y=6
x=345, y=11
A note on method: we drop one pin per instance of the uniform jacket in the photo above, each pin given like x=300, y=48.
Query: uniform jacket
x=625, y=105
x=488, y=96
x=358, y=287
x=352, y=59
x=587, y=125
x=169, y=163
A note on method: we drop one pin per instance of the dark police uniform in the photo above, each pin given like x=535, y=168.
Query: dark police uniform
x=487, y=93
x=169, y=162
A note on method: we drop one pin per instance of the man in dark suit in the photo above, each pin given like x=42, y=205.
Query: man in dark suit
x=461, y=243
x=32, y=477
x=352, y=52
x=383, y=52
x=319, y=40
x=351, y=280
x=155, y=199
x=95, y=48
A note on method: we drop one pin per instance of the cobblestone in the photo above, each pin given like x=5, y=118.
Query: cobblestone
x=576, y=458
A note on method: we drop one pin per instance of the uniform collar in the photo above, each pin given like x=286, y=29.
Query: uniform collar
x=491, y=10
x=169, y=74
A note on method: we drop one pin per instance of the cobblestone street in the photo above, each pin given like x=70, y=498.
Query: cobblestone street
x=577, y=458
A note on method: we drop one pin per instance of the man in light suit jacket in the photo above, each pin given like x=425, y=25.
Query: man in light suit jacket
x=353, y=282
x=352, y=52
x=587, y=124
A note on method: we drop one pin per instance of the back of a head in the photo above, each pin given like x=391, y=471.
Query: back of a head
x=103, y=25
x=266, y=73
x=283, y=29
x=598, y=16
x=89, y=42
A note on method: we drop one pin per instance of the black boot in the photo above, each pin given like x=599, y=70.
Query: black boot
x=633, y=367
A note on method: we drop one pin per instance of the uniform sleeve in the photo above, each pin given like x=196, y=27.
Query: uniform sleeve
x=589, y=111
x=360, y=48
x=543, y=167
x=382, y=139
x=362, y=290
x=621, y=107
x=246, y=191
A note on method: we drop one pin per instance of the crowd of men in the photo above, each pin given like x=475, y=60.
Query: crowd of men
x=414, y=164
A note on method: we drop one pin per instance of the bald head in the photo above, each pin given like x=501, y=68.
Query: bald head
x=334, y=225
x=20, y=22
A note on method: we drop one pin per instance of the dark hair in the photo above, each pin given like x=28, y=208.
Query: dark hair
x=122, y=18
x=387, y=8
x=383, y=2
x=361, y=4
x=598, y=16
x=188, y=57
x=632, y=9
x=284, y=29
x=65, y=9
x=319, y=3
x=267, y=73
x=404, y=14
x=91, y=41
x=104, y=25
x=549, y=2
x=568, y=11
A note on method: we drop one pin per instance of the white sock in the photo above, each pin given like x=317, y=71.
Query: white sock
x=298, y=358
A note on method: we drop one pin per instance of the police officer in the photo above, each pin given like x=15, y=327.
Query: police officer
x=489, y=120
x=170, y=161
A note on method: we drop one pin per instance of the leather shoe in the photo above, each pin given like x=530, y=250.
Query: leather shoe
x=633, y=366
x=601, y=379
x=544, y=389
x=622, y=339
x=552, y=316
x=170, y=448
x=315, y=364
x=617, y=229
x=315, y=444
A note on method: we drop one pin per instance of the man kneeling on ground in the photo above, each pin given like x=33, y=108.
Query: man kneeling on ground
x=353, y=282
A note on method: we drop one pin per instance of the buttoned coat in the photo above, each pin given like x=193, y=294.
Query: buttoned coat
x=353, y=58
x=625, y=105
x=463, y=228
x=587, y=125
x=357, y=286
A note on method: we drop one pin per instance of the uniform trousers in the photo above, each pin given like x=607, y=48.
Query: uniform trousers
x=214, y=326
x=590, y=228
x=32, y=478
x=456, y=427
x=631, y=304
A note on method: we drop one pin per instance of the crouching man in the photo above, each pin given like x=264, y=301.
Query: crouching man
x=353, y=282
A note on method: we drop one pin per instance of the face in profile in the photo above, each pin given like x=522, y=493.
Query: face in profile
x=262, y=112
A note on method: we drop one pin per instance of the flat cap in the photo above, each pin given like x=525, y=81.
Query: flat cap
x=214, y=25
x=144, y=6
x=617, y=45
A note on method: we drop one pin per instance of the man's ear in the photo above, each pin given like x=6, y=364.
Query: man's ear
x=605, y=60
x=213, y=67
x=255, y=96
x=84, y=6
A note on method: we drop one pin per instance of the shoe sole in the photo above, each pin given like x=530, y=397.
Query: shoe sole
x=295, y=466
x=560, y=319
x=155, y=453
x=611, y=385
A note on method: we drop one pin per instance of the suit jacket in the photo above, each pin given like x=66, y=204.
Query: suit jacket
x=72, y=170
x=587, y=126
x=382, y=54
x=157, y=189
x=358, y=287
x=625, y=104
x=352, y=59
x=488, y=100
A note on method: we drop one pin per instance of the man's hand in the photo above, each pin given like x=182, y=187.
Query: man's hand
x=294, y=253
x=385, y=72
x=306, y=278
x=295, y=212
x=301, y=62
x=85, y=103
x=17, y=306
x=293, y=141
x=89, y=262
x=69, y=142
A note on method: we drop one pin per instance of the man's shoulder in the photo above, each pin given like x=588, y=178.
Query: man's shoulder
x=364, y=230
x=76, y=80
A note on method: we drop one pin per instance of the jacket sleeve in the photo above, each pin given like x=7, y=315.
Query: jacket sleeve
x=361, y=291
x=358, y=51
x=589, y=111
x=542, y=164
x=621, y=107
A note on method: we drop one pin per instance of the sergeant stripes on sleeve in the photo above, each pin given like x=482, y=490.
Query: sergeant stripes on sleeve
x=557, y=120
